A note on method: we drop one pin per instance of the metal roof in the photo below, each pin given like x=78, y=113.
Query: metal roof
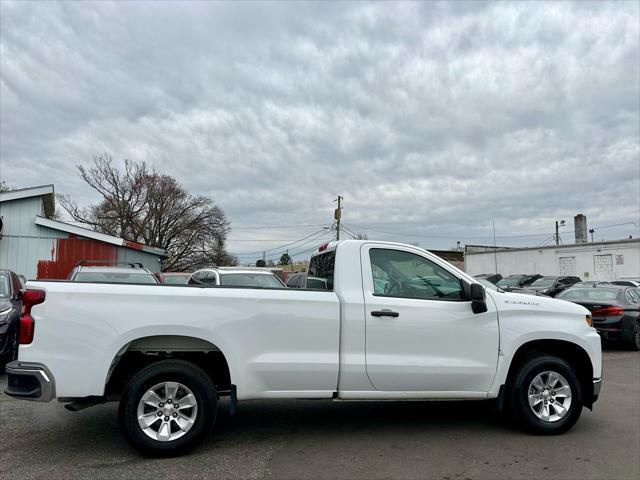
x=564, y=246
x=102, y=237
x=45, y=191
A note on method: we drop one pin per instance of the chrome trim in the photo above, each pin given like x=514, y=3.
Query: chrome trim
x=40, y=372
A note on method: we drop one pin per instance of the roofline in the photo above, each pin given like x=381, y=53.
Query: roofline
x=102, y=237
x=557, y=247
x=45, y=191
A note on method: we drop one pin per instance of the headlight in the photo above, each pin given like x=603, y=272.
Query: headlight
x=4, y=315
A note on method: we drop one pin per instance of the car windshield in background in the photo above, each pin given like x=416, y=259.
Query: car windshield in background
x=250, y=280
x=509, y=282
x=4, y=285
x=544, y=282
x=590, y=293
x=141, y=278
x=488, y=284
x=175, y=280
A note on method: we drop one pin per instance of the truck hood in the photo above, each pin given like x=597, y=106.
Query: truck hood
x=533, y=303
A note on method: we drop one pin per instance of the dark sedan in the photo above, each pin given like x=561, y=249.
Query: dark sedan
x=10, y=308
x=615, y=310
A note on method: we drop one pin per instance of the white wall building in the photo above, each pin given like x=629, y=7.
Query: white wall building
x=608, y=260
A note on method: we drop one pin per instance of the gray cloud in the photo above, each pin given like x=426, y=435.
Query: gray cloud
x=430, y=119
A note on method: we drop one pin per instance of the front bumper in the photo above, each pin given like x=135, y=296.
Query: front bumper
x=30, y=381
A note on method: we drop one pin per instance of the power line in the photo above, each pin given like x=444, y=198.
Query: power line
x=280, y=247
x=280, y=226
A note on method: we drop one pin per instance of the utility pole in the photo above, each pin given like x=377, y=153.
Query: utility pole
x=558, y=225
x=337, y=214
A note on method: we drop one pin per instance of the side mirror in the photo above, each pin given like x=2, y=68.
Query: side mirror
x=19, y=295
x=478, y=298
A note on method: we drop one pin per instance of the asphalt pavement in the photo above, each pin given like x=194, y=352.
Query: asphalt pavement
x=318, y=439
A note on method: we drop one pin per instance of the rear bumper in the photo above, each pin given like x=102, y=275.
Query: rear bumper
x=597, y=385
x=30, y=381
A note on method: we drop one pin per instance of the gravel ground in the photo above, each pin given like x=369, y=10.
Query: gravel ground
x=323, y=439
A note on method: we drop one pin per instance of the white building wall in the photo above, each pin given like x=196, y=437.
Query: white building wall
x=589, y=261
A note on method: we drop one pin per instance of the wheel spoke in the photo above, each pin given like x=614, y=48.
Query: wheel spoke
x=147, y=419
x=183, y=422
x=170, y=390
x=560, y=410
x=553, y=379
x=538, y=383
x=164, y=432
x=534, y=400
x=188, y=401
x=545, y=412
x=151, y=398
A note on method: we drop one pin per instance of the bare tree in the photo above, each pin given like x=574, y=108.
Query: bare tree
x=143, y=206
x=4, y=187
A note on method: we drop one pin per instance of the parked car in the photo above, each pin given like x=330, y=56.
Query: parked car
x=173, y=278
x=615, y=310
x=517, y=281
x=382, y=330
x=297, y=280
x=235, y=278
x=591, y=283
x=118, y=273
x=627, y=283
x=490, y=277
x=10, y=308
x=549, y=285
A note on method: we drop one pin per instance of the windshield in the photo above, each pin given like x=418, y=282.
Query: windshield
x=509, y=282
x=590, y=293
x=250, y=280
x=142, y=278
x=5, y=291
x=544, y=282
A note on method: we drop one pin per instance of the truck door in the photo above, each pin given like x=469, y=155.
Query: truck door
x=421, y=334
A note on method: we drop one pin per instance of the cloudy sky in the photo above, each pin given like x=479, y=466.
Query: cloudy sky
x=430, y=119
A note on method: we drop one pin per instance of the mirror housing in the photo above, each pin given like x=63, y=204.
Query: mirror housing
x=478, y=298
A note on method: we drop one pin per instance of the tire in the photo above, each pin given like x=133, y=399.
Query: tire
x=187, y=424
x=532, y=376
x=634, y=341
x=12, y=353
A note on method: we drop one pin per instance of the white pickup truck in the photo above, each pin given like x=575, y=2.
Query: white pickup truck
x=395, y=323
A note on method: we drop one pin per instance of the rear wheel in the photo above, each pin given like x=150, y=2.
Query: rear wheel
x=634, y=342
x=545, y=396
x=167, y=408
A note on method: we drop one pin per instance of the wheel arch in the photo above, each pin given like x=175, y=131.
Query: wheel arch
x=574, y=354
x=148, y=349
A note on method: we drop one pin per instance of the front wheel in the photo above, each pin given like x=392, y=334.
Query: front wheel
x=545, y=396
x=167, y=408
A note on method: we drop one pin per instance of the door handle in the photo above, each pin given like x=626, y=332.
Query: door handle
x=385, y=313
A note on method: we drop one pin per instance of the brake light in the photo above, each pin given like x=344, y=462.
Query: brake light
x=27, y=325
x=608, y=312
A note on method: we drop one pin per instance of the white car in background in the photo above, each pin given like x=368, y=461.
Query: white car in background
x=235, y=277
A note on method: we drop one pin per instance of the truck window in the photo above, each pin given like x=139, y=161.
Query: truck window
x=320, y=273
x=406, y=275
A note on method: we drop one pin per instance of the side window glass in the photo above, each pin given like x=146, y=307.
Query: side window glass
x=633, y=296
x=407, y=275
x=195, y=279
x=17, y=286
